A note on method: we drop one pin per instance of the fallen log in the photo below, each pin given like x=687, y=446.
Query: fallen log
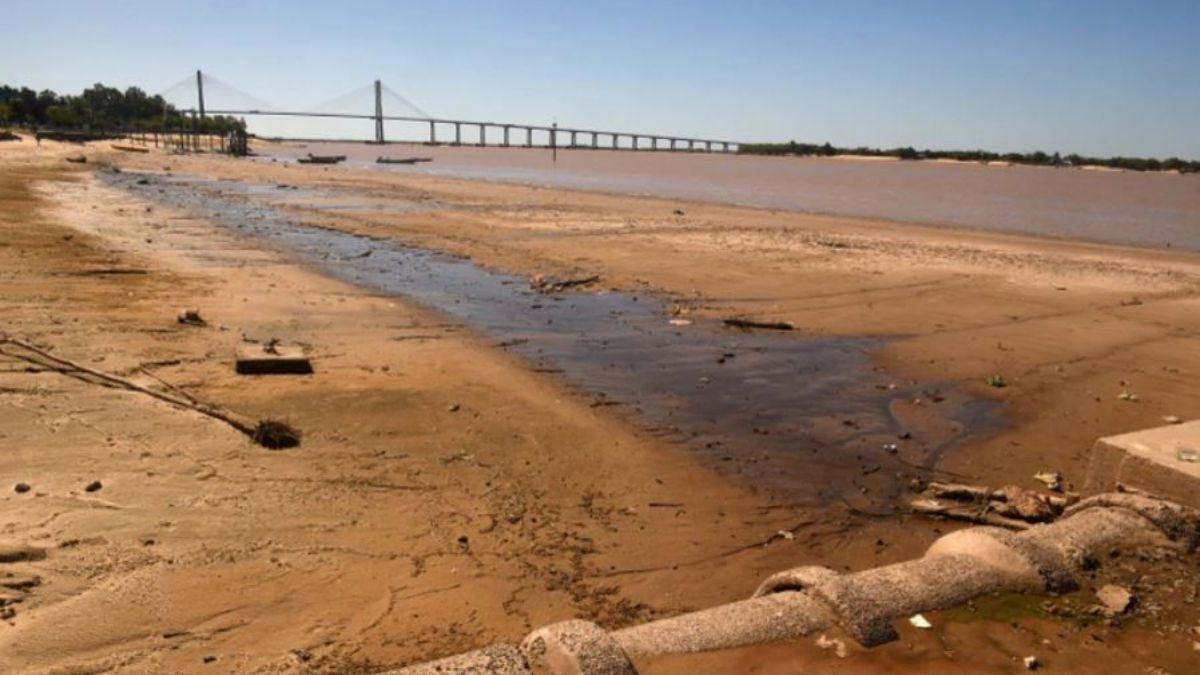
x=965, y=492
x=983, y=516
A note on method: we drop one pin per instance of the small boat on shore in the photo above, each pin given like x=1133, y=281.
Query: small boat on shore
x=402, y=160
x=321, y=159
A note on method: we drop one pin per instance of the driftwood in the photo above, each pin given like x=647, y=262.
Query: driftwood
x=129, y=148
x=964, y=492
x=268, y=433
x=768, y=325
x=1012, y=506
x=984, y=516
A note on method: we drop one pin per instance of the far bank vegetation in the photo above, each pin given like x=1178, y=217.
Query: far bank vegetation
x=1038, y=158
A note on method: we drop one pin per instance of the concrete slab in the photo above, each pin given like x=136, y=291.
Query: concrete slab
x=271, y=359
x=1164, y=461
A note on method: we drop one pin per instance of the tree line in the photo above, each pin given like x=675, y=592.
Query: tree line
x=1038, y=158
x=102, y=109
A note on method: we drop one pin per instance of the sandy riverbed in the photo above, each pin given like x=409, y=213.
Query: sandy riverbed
x=445, y=495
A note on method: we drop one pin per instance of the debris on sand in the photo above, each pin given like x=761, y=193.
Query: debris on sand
x=835, y=644
x=275, y=435
x=191, y=317
x=767, y=325
x=77, y=159
x=543, y=283
x=1115, y=600
x=1172, y=419
x=1051, y=479
x=93, y=486
x=1032, y=663
x=266, y=433
x=919, y=621
x=21, y=488
x=271, y=358
x=13, y=552
x=1128, y=396
x=996, y=381
x=1012, y=506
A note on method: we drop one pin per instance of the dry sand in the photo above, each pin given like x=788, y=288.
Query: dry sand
x=446, y=496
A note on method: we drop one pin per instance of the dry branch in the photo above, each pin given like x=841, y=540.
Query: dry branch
x=268, y=433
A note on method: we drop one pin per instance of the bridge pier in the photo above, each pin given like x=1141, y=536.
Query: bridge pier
x=573, y=134
x=708, y=146
x=635, y=142
x=482, y=135
x=654, y=143
x=432, y=132
x=595, y=140
x=529, y=137
x=507, y=128
x=616, y=140
x=458, y=133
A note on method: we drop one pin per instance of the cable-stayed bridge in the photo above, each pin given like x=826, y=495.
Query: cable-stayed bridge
x=441, y=131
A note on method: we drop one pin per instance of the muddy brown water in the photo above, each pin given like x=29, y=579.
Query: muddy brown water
x=1143, y=209
x=804, y=418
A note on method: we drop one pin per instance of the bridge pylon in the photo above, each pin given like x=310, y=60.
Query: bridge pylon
x=378, y=112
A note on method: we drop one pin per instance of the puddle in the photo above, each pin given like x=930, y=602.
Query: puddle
x=805, y=418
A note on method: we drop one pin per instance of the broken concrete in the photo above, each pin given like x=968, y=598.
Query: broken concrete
x=957, y=568
x=1156, y=461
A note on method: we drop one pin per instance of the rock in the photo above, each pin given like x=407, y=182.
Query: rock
x=1171, y=419
x=678, y=212
x=93, y=486
x=835, y=644
x=1052, y=479
x=1032, y=663
x=1116, y=600
x=920, y=621
x=21, y=488
x=1128, y=396
x=191, y=317
x=453, y=408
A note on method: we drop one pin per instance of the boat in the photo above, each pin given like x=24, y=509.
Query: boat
x=321, y=159
x=402, y=160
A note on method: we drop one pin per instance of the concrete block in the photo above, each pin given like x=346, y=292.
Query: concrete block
x=271, y=359
x=1163, y=461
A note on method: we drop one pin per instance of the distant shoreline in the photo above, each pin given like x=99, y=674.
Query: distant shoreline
x=1038, y=158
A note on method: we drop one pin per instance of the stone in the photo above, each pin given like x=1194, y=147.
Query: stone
x=1116, y=600
x=94, y=486
x=21, y=488
x=1032, y=663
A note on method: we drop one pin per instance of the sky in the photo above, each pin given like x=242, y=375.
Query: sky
x=1096, y=77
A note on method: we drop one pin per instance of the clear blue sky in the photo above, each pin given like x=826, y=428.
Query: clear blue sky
x=1087, y=76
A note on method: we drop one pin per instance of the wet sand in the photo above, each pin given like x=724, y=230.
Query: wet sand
x=349, y=552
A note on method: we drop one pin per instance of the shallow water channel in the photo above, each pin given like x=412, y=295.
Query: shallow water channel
x=805, y=418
